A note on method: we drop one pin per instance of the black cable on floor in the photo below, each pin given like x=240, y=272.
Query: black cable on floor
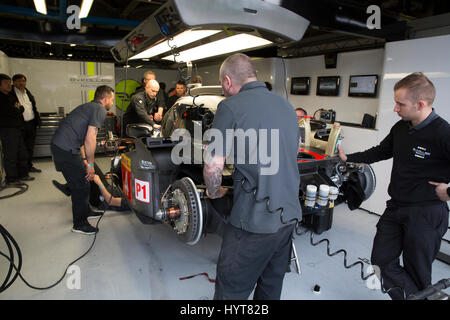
x=21, y=186
x=9, y=239
x=346, y=265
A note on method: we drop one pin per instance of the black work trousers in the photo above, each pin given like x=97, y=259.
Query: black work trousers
x=29, y=137
x=247, y=259
x=73, y=170
x=15, y=154
x=415, y=233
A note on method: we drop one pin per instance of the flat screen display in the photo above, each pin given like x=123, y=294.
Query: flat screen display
x=363, y=86
x=300, y=85
x=328, y=86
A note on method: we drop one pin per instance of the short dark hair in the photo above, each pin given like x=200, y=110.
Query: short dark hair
x=4, y=77
x=181, y=82
x=102, y=92
x=268, y=85
x=18, y=76
x=419, y=87
x=301, y=109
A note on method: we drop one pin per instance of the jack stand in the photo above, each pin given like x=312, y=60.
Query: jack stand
x=295, y=258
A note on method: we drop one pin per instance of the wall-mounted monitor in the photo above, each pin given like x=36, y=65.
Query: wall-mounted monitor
x=363, y=86
x=328, y=86
x=300, y=85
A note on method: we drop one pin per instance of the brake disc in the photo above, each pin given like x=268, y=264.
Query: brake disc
x=189, y=224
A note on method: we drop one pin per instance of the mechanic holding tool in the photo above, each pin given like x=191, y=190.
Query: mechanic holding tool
x=416, y=217
x=79, y=129
x=257, y=241
x=143, y=105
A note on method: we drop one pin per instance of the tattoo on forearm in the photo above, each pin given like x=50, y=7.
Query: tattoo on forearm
x=213, y=179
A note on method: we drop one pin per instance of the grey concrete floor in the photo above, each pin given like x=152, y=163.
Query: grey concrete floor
x=130, y=260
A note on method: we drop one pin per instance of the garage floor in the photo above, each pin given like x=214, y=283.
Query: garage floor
x=130, y=260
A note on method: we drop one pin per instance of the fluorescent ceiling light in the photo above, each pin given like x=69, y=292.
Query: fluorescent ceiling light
x=230, y=44
x=178, y=41
x=85, y=8
x=73, y=45
x=40, y=6
x=48, y=42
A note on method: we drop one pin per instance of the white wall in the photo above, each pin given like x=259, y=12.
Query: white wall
x=58, y=83
x=4, y=63
x=348, y=109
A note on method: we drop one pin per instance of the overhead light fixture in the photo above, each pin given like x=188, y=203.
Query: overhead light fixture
x=50, y=54
x=40, y=6
x=85, y=8
x=180, y=40
x=277, y=25
x=69, y=54
x=235, y=43
x=48, y=42
x=138, y=67
x=73, y=45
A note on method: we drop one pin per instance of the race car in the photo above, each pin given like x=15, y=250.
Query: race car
x=161, y=174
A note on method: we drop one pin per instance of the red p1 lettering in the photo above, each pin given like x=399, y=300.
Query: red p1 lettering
x=142, y=190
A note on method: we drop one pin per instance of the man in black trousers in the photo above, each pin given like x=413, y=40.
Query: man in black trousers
x=257, y=239
x=416, y=217
x=79, y=131
x=30, y=115
x=11, y=124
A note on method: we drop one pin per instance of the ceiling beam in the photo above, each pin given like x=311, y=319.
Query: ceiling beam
x=131, y=6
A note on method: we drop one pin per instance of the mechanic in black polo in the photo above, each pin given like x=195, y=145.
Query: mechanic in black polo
x=144, y=106
x=79, y=130
x=416, y=217
x=257, y=240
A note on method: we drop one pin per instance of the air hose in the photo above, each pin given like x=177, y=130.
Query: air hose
x=21, y=186
x=12, y=244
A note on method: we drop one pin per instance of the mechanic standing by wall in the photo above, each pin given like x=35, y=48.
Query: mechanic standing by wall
x=79, y=129
x=416, y=217
x=11, y=124
x=30, y=116
x=257, y=240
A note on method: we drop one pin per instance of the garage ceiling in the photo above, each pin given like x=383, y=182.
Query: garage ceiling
x=336, y=26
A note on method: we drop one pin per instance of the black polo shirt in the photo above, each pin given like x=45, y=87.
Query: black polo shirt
x=261, y=175
x=420, y=154
x=71, y=133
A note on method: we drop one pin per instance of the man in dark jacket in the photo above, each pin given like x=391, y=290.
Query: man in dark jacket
x=144, y=106
x=11, y=124
x=30, y=115
x=416, y=217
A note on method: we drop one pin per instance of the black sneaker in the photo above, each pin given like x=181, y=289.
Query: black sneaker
x=64, y=188
x=94, y=214
x=33, y=169
x=85, y=229
x=26, y=178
